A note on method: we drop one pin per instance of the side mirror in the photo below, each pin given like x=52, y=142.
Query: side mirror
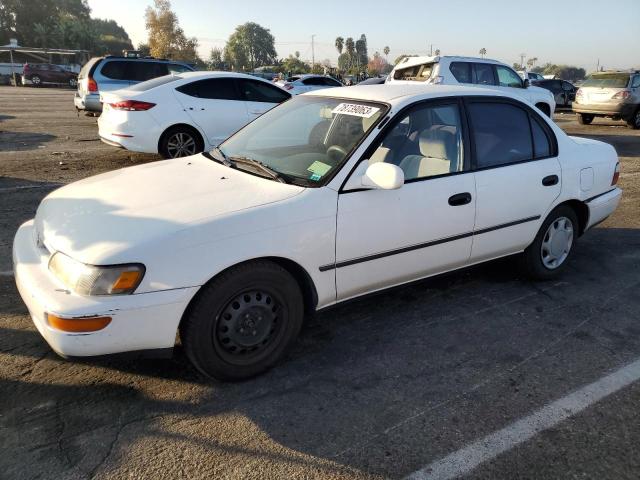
x=526, y=83
x=385, y=176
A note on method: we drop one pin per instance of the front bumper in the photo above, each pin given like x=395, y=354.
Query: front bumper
x=623, y=110
x=90, y=102
x=145, y=321
x=601, y=206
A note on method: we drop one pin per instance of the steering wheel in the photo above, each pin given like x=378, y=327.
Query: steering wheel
x=335, y=153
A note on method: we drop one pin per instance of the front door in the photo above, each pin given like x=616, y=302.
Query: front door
x=260, y=97
x=388, y=237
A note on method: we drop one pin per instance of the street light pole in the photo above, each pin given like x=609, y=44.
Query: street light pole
x=313, y=52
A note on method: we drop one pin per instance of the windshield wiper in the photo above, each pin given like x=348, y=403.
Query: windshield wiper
x=221, y=157
x=261, y=166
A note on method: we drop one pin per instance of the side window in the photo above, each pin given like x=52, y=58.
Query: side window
x=427, y=141
x=566, y=86
x=212, y=88
x=635, y=83
x=313, y=81
x=332, y=82
x=541, y=141
x=177, y=68
x=262, y=92
x=141, y=71
x=501, y=134
x=508, y=78
x=115, y=70
x=461, y=71
x=483, y=74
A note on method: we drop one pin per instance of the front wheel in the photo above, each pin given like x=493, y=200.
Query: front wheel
x=73, y=83
x=243, y=321
x=547, y=256
x=36, y=80
x=585, y=119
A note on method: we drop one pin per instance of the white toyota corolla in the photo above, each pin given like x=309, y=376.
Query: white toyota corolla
x=328, y=196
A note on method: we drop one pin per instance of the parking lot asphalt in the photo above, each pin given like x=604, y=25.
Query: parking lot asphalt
x=380, y=387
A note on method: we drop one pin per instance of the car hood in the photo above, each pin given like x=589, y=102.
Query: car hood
x=96, y=219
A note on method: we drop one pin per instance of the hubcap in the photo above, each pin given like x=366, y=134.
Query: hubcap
x=557, y=243
x=36, y=80
x=248, y=324
x=181, y=144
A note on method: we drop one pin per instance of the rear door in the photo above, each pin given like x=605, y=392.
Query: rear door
x=215, y=105
x=518, y=175
x=260, y=97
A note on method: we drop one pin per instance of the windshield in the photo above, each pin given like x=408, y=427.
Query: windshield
x=307, y=138
x=153, y=83
x=607, y=80
x=417, y=73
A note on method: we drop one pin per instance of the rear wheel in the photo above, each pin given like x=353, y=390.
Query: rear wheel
x=243, y=321
x=547, y=256
x=634, y=121
x=36, y=80
x=73, y=83
x=180, y=141
x=585, y=119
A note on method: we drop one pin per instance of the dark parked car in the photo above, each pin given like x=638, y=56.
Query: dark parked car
x=563, y=91
x=37, y=74
x=106, y=74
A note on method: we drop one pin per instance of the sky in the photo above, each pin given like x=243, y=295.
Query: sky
x=580, y=33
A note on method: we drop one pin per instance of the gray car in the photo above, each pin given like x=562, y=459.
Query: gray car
x=105, y=74
x=609, y=94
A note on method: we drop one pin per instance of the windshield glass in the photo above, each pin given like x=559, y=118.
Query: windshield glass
x=417, y=73
x=607, y=80
x=153, y=83
x=306, y=138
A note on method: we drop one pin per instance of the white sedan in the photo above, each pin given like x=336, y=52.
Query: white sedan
x=327, y=197
x=184, y=114
x=306, y=83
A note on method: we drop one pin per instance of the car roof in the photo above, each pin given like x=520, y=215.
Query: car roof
x=213, y=74
x=141, y=59
x=412, y=61
x=402, y=93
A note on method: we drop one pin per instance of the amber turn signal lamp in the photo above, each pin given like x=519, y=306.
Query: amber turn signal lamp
x=78, y=324
x=126, y=281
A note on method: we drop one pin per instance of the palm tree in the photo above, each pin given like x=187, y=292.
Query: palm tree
x=350, y=47
x=339, y=45
x=386, y=51
x=483, y=52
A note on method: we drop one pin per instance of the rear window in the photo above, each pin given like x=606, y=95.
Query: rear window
x=84, y=71
x=156, y=82
x=461, y=71
x=607, y=80
x=417, y=73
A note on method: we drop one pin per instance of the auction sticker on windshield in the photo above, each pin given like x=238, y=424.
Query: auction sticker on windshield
x=356, y=110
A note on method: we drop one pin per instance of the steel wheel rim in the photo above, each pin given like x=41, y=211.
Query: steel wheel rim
x=181, y=144
x=248, y=326
x=556, y=243
x=36, y=80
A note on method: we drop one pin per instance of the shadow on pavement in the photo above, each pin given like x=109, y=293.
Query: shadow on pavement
x=17, y=141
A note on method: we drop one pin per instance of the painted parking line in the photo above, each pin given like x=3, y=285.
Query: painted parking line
x=466, y=459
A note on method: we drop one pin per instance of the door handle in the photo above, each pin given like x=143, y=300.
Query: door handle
x=460, y=199
x=550, y=180
x=254, y=112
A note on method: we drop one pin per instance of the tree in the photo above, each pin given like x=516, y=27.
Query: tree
x=144, y=50
x=339, y=45
x=437, y=52
x=362, y=57
x=565, y=72
x=166, y=38
x=292, y=65
x=250, y=46
x=386, y=51
x=215, y=59
x=483, y=52
x=402, y=57
x=377, y=65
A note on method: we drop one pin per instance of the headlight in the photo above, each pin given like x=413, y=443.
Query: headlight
x=94, y=280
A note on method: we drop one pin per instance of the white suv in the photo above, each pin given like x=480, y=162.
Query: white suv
x=470, y=70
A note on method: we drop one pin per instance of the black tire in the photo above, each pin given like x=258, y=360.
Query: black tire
x=544, y=108
x=585, y=118
x=243, y=321
x=36, y=80
x=532, y=261
x=634, y=121
x=166, y=149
